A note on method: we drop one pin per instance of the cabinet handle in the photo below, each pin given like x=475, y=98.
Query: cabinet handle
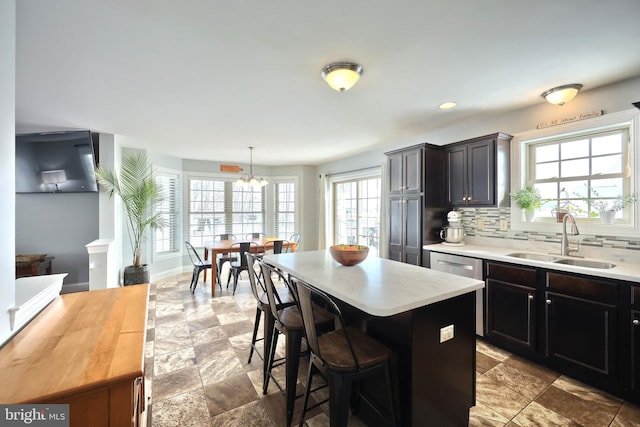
x=636, y=322
x=464, y=198
x=530, y=297
x=468, y=198
x=548, y=302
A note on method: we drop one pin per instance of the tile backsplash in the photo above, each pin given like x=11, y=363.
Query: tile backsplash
x=491, y=218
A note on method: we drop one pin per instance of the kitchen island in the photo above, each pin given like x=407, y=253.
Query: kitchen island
x=426, y=317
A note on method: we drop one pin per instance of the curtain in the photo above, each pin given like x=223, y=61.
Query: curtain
x=324, y=213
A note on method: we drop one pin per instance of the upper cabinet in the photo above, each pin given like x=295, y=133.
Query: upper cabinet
x=477, y=172
x=405, y=170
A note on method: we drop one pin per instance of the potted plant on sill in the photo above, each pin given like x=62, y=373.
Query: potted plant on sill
x=607, y=208
x=528, y=200
x=139, y=193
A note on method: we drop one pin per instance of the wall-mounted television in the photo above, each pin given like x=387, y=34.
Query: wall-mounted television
x=56, y=162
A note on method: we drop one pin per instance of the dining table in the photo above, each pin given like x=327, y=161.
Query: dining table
x=224, y=247
x=426, y=317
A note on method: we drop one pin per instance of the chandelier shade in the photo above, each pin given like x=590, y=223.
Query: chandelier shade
x=251, y=180
x=562, y=94
x=341, y=76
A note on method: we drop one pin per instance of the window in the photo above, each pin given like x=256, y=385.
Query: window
x=166, y=238
x=580, y=166
x=216, y=206
x=357, y=212
x=580, y=173
x=285, y=209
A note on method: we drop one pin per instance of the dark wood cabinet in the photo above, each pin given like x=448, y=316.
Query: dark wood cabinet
x=512, y=306
x=405, y=170
x=477, y=171
x=581, y=325
x=635, y=341
x=405, y=226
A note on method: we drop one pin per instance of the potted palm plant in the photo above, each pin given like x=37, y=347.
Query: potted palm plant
x=528, y=200
x=139, y=192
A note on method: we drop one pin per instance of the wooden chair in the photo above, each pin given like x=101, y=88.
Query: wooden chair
x=342, y=357
x=198, y=265
x=283, y=299
x=287, y=321
x=239, y=264
x=222, y=258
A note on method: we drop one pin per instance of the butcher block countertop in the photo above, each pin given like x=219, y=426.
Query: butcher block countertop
x=81, y=342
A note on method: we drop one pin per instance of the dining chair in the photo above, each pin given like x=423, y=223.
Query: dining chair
x=283, y=299
x=225, y=257
x=251, y=236
x=274, y=247
x=198, y=265
x=343, y=357
x=294, y=238
x=287, y=321
x=238, y=262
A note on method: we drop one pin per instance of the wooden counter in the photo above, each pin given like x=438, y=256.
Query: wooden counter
x=85, y=349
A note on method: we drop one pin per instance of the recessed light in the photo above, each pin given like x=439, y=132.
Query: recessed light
x=447, y=105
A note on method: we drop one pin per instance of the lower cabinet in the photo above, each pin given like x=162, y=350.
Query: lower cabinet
x=586, y=327
x=511, y=297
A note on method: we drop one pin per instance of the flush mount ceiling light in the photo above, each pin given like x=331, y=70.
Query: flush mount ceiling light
x=251, y=180
x=447, y=105
x=562, y=94
x=342, y=75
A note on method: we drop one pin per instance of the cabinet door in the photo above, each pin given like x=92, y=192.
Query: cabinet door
x=511, y=314
x=481, y=173
x=413, y=171
x=581, y=333
x=395, y=173
x=635, y=351
x=412, y=230
x=457, y=176
x=396, y=227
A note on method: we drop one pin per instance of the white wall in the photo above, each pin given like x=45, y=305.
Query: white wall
x=7, y=162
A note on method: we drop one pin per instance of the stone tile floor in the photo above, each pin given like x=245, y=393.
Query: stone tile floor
x=198, y=375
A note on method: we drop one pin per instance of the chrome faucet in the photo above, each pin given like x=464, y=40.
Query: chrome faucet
x=565, y=246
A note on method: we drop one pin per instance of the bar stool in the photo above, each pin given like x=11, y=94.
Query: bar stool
x=342, y=357
x=288, y=321
x=283, y=299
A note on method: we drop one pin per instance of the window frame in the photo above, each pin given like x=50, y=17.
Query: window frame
x=629, y=119
x=178, y=251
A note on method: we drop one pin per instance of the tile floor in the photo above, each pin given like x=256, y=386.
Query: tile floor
x=198, y=375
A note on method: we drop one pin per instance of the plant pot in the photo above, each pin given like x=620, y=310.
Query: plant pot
x=529, y=215
x=607, y=217
x=136, y=275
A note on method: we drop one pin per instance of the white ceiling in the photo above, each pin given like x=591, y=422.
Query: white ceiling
x=205, y=79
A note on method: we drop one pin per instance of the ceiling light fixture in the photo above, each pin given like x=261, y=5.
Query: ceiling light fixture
x=342, y=75
x=562, y=94
x=251, y=180
x=447, y=105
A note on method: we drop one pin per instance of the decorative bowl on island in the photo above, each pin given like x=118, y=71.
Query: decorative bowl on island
x=349, y=254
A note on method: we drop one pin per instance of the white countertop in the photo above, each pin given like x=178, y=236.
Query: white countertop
x=377, y=286
x=625, y=269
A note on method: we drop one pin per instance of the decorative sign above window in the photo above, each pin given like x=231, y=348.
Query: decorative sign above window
x=570, y=119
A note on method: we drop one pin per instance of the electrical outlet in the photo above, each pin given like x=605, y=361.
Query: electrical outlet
x=446, y=333
x=504, y=225
x=480, y=223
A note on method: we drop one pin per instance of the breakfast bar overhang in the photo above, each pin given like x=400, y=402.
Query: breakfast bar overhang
x=427, y=317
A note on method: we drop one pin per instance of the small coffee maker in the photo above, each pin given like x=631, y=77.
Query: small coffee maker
x=453, y=233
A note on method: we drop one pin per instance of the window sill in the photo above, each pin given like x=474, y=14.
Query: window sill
x=592, y=227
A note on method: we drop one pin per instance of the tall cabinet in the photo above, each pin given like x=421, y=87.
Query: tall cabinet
x=411, y=199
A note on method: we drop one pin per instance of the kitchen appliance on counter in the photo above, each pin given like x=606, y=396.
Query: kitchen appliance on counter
x=453, y=234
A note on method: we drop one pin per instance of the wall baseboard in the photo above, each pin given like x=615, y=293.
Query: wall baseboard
x=168, y=273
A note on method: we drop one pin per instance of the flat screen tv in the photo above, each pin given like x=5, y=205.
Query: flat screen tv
x=56, y=162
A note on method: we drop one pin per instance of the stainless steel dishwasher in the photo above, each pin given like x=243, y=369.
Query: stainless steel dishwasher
x=467, y=267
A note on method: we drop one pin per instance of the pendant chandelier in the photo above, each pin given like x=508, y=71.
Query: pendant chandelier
x=251, y=180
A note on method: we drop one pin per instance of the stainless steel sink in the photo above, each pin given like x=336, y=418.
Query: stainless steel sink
x=585, y=263
x=534, y=257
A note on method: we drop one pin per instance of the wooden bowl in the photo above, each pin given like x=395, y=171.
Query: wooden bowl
x=349, y=254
